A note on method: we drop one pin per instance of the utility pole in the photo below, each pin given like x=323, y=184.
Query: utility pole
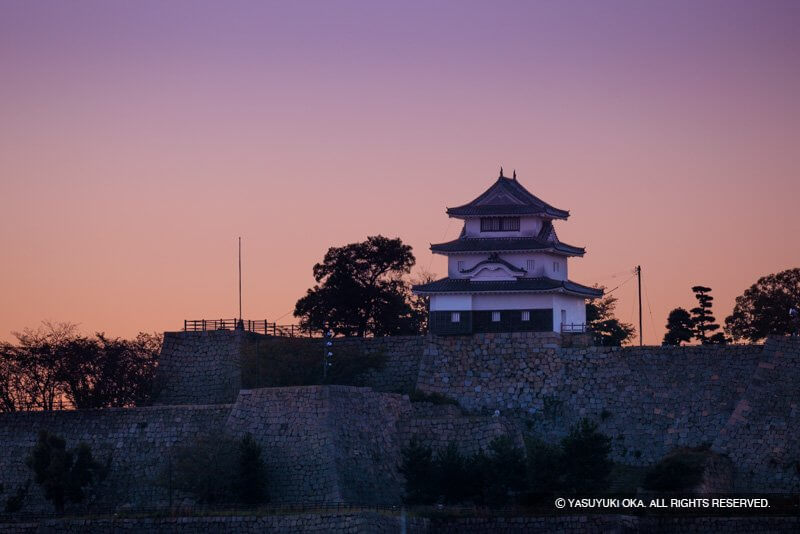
x=639, y=276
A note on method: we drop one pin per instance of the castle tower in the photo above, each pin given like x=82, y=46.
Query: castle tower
x=507, y=271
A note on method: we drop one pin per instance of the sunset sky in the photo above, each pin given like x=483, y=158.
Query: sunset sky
x=139, y=139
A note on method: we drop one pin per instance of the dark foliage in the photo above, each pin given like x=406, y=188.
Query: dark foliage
x=298, y=362
x=543, y=467
x=680, y=470
x=62, y=473
x=607, y=330
x=15, y=502
x=504, y=469
x=679, y=327
x=703, y=318
x=493, y=477
x=586, y=464
x=418, y=470
x=204, y=469
x=763, y=309
x=250, y=484
x=218, y=469
x=54, y=365
x=360, y=291
x=453, y=481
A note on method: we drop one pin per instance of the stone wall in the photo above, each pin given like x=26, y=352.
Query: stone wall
x=742, y=399
x=137, y=441
x=403, y=354
x=199, y=367
x=204, y=367
x=321, y=444
x=440, y=425
x=386, y=522
x=761, y=434
x=325, y=444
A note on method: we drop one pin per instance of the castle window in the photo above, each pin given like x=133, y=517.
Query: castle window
x=555, y=266
x=526, y=315
x=531, y=265
x=455, y=317
x=496, y=317
x=460, y=266
x=499, y=224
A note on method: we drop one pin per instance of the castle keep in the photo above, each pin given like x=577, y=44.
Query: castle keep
x=507, y=271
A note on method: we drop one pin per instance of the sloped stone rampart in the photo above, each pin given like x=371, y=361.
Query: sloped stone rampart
x=137, y=441
x=199, y=367
x=762, y=434
x=204, y=367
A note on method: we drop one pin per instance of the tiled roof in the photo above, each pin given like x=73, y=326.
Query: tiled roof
x=465, y=285
x=507, y=244
x=507, y=197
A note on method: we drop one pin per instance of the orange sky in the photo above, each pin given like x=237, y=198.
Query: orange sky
x=139, y=139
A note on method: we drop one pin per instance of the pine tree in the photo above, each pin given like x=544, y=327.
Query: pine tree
x=703, y=319
x=679, y=327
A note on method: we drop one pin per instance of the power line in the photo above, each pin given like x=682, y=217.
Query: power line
x=649, y=309
x=619, y=286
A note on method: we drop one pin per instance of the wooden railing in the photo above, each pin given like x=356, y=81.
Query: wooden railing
x=574, y=328
x=259, y=326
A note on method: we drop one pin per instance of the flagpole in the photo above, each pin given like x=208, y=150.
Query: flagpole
x=240, y=278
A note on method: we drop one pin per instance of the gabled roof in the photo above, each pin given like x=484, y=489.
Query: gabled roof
x=505, y=244
x=525, y=285
x=507, y=197
x=496, y=260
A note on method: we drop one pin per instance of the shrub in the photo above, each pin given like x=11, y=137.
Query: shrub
x=216, y=468
x=62, y=474
x=250, y=484
x=15, y=502
x=453, y=480
x=585, y=459
x=543, y=467
x=504, y=473
x=417, y=468
x=203, y=469
x=680, y=470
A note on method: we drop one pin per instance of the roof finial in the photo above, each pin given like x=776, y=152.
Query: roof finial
x=501, y=171
x=515, y=174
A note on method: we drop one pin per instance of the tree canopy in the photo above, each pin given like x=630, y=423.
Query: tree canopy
x=703, y=318
x=680, y=327
x=763, y=309
x=62, y=473
x=361, y=290
x=607, y=330
x=53, y=365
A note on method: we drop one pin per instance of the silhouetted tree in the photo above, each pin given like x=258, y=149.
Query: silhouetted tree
x=250, y=485
x=421, y=304
x=453, y=479
x=360, y=290
x=586, y=464
x=62, y=474
x=763, y=309
x=703, y=319
x=417, y=468
x=54, y=363
x=607, y=330
x=504, y=471
x=679, y=327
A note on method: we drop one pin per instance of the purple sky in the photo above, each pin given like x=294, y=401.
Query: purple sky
x=139, y=139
